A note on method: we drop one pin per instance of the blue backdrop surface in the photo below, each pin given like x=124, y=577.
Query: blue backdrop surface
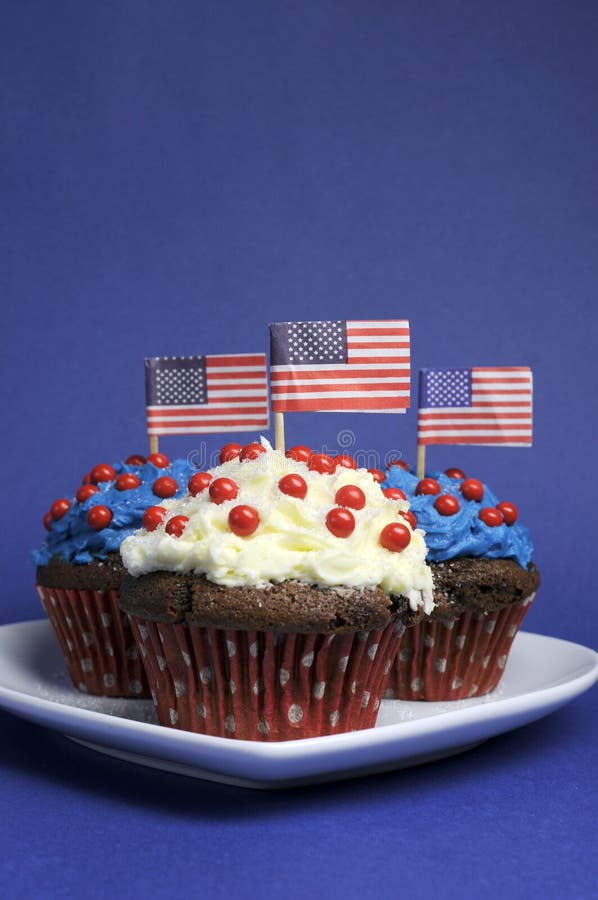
x=174, y=177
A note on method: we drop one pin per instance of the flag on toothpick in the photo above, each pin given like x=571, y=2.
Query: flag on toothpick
x=340, y=366
x=479, y=405
x=191, y=394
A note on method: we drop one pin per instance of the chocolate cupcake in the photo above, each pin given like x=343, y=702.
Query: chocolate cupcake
x=268, y=604
x=484, y=583
x=79, y=569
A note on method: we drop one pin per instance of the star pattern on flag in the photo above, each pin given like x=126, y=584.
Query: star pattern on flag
x=317, y=342
x=448, y=387
x=176, y=385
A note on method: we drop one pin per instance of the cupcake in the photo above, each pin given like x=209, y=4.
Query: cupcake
x=79, y=569
x=484, y=583
x=268, y=603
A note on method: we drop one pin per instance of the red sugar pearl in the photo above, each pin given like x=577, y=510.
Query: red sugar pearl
x=222, y=489
x=410, y=517
x=447, y=505
x=509, y=512
x=86, y=478
x=300, y=453
x=228, y=452
x=347, y=462
x=159, y=460
x=59, y=508
x=293, y=486
x=198, y=483
x=243, y=520
x=48, y=521
x=378, y=475
x=322, y=463
x=454, y=473
x=400, y=463
x=165, y=486
x=472, y=489
x=86, y=491
x=127, y=481
x=135, y=460
x=99, y=517
x=427, y=486
x=176, y=525
x=395, y=537
x=251, y=451
x=350, y=495
x=491, y=516
x=152, y=517
x=340, y=522
x=102, y=472
x=394, y=493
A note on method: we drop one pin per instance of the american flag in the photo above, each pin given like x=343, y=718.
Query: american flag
x=340, y=366
x=481, y=405
x=190, y=394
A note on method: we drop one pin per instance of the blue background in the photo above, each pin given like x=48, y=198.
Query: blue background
x=176, y=175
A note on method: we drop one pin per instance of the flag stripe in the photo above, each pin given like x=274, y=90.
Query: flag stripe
x=341, y=404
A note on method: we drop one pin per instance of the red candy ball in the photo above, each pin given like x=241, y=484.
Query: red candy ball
x=454, y=473
x=472, y=489
x=251, y=451
x=347, y=462
x=48, y=521
x=395, y=537
x=322, y=463
x=99, y=517
x=410, y=516
x=176, y=525
x=400, y=463
x=300, y=453
x=85, y=492
x=198, y=483
x=378, y=475
x=490, y=516
x=86, y=478
x=293, y=486
x=447, y=505
x=153, y=516
x=135, y=460
x=165, y=486
x=222, y=489
x=243, y=520
x=159, y=460
x=340, y=522
x=427, y=486
x=102, y=472
x=509, y=512
x=228, y=452
x=127, y=481
x=350, y=495
x=59, y=508
x=394, y=493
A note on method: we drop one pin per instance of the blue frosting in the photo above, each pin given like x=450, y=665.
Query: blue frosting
x=71, y=538
x=462, y=534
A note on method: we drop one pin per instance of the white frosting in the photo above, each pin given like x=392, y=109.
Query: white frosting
x=292, y=542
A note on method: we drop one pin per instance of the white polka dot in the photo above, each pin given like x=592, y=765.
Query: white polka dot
x=429, y=640
x=307, y=660
x=69, y=644
x=473, y=691
x=88, y=638
x=201, y=710
x=485, y=662
x=319, y=688
x=334, y=718
x=135, y=687
x=372, y=650
x=473, y=657
x=295, y=714
x=231, y=648
x=398, y=628
x=232, y=687
x=502, y=661
x=186, y=657
x=489, y=626
x=363, y=635
x=343, y=663
x=283, y=676
x=460, y=641
x=449, y=624
x=253, y=648
x=180, y=688
x=377, y=703
x=53, y=600
x=143, y=649
x=108, y=680
x=353, y=687
x=440, y=665
x=229, y=724
x=330, y=639
x=416, y=685
x=108, y=649
x=161, y=662
x=82, y=687
x=154, y=698
x=174, y=716
x=132, y=652
x=512, y=631
x=68, y=621
x=263, y=727
x=528, y=600
x=143, y=632
x=404, y=654
x=365, y=699
x=258, y=686
x=205, y=675
x=387, y=666
x=86, y=664
x=457, y=683
x=106, y=619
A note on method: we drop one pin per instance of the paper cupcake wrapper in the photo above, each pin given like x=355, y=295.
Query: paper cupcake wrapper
x=451, y=659
x=96, y=641
x=265, y=686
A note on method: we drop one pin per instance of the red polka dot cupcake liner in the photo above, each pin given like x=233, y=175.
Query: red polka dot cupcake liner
x=96, y=641
x=452, y=659
x=265, y=686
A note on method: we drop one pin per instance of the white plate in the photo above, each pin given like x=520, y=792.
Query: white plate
x=541, y=675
